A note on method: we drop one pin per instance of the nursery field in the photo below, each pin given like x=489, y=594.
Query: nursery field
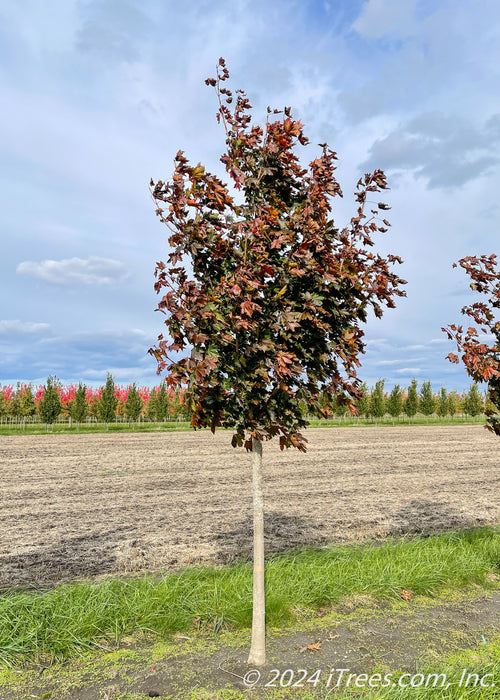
x=80, y=506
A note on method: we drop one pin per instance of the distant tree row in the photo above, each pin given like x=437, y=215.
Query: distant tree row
x=52, y=400
x=375, y=403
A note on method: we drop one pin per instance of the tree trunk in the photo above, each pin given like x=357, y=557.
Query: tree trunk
x=257, y=655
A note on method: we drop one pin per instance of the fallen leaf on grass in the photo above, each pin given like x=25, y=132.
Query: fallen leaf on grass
x=406, y=595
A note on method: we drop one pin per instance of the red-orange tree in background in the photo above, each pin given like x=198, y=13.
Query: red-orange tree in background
x=482, y=361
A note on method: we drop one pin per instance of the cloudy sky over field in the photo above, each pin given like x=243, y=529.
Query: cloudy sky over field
x=98, y=95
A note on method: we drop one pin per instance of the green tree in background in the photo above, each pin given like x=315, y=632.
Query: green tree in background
x=473, y=402
x=78, y=405
x=4, y=404
x=442, y=404
x=151, y=408
x=427, y=403
x=133, y=404
x=27, y=404
x=452, y=403
x=50, y=405
x=15, y=402
x=411, y=403
x=377, y=400
x=395, y=402
x=363, y=402
x=162, y=403
x=106, y=406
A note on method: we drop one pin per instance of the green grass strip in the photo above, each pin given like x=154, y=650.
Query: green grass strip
x=76, y=617
x=20, y=428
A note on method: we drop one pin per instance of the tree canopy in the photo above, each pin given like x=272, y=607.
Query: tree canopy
x=481, y=359
x=262, y=288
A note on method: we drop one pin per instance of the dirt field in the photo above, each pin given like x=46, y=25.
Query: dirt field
x=84, y=506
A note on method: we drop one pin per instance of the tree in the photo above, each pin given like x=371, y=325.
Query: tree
x=15, y=402
x=473, y=403
x=78, y=405
x=411, y=403
x=27, y=405
x=151, y=408
x=133, y=404
x=482, y=361
x=427, y=403
x=377, y=400
x=395, y=402
x=4, y=402
x=265, y=291
x=452, y=403
x=162, y=406
x=488, y=404
x=177, y=406
x=442, y=405
x=106, y=406
x=50, y=405
x=363, y=402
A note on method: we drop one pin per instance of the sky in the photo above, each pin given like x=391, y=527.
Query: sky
x=99, y=95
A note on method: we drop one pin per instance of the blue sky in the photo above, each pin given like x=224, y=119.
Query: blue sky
x=98, y=96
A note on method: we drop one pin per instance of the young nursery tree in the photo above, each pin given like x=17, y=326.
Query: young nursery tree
x=377, y=400
x=50, y=405
x=427, y=402
x=162, y=403
x=363, y=401
x=452, y=403
x=106, y=406
x=133, y=404
x=151, y=408
x=264, y=292
x=411, y=402
x=473, y=402
x=27, y=404
x=15, y=402
x=4, y=403
x=481, y=361
x=395, y=401
x=442, y=404
x=78, y=405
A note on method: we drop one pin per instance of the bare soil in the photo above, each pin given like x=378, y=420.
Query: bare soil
x=362, y=635
x=86, y=506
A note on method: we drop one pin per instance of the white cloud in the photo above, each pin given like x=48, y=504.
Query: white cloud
x=374, y=342
x=115, y=29
x=381, y=18
x=75, y=271
x=119, y=374
x=447, y=151
x=398, y=362
x=23, y=327
x=408, y=370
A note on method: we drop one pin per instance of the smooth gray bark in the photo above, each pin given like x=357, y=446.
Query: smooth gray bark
x=257, y=655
